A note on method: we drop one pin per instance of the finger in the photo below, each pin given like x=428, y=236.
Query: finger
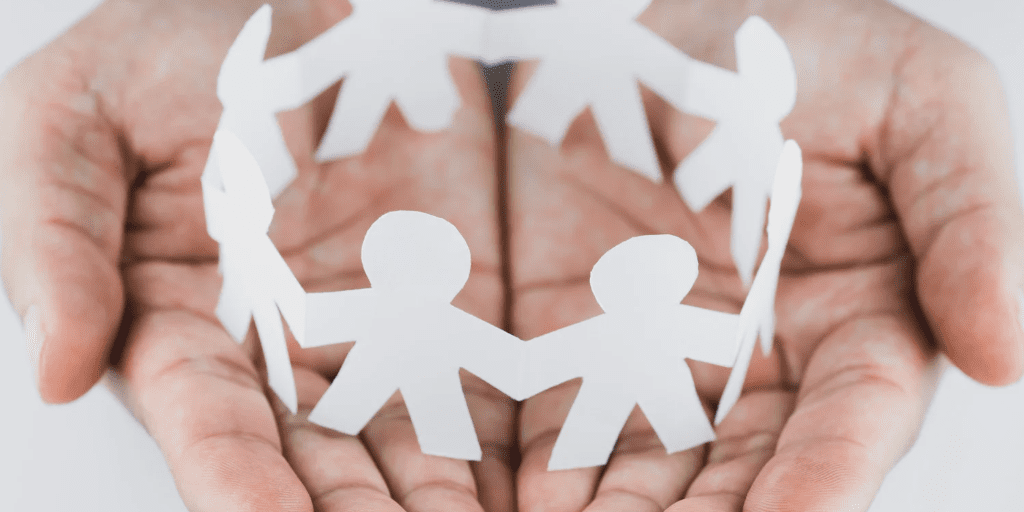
x=62, y=210
x=946, y=155
x=541, y=418
x=418, y=482
x=859, y=409
x=746, y=441
x=640, y=476
x=199, y=396
x=494, y=416
x=337, y=470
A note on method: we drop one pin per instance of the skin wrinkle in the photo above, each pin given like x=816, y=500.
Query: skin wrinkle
x=826, y=279
x=617, y=210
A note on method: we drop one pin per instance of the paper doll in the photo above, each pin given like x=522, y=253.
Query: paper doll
x=592, y=54
x=757, y=318
x=390, y=50
x=238, y=217
x=252, y=91
x=743, y=149
x=408, y=336
x=634, y=353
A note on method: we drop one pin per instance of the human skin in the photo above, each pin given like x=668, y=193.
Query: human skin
x=905, y=247
x=907, y=244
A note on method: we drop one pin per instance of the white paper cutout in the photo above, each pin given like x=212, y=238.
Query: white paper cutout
x=252, y=91
x=593, y=53
x=757, y=318
x=390, y=50
x=634, y=353
x=410, y=338
x=744, y=147
x=258, y=284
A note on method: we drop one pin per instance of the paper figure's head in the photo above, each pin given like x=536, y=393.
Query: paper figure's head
x=416, y=254
x=764, y=62
x=644, y=271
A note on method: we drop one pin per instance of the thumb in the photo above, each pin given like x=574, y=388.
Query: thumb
x=948, y=154
x=62, y=204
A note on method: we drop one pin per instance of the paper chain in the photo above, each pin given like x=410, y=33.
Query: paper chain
x=410, y=338
x=593, y=53
x=238, y=186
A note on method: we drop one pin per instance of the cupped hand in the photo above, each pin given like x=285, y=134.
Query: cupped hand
x=907, y=245
x=103, y=138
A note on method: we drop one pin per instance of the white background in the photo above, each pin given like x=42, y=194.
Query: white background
x=92, y=456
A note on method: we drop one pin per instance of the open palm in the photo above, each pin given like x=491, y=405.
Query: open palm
x=105, y=236
x=905, y=243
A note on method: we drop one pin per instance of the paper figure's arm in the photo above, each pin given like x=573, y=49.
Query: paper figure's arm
x=711, y=92
x=709, y=170
x=246, y=80
x=327, y=58
x=555, y=357
x=339, y=317
x=765, y=78
x=488, y=352
x=662, y=67
x=701, y=334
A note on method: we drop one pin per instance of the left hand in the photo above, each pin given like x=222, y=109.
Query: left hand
x=907, y=245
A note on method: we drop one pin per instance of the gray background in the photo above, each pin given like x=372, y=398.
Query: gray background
x=92, y=456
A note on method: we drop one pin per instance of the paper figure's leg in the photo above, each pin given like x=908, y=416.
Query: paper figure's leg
x=234, y=306
x=676, y=414
x=286, y=291
x=440, y=417
x=590, y=431
x=749, y=212
x=548, y=104
x=358, y=112
x=622, y=119
x=357, y=393
x=706, y=172
x=275, y=353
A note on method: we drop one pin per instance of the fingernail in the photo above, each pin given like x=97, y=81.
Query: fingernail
x=32, y=323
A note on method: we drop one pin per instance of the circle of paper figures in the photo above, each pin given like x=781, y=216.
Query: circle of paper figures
x=408, y=336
